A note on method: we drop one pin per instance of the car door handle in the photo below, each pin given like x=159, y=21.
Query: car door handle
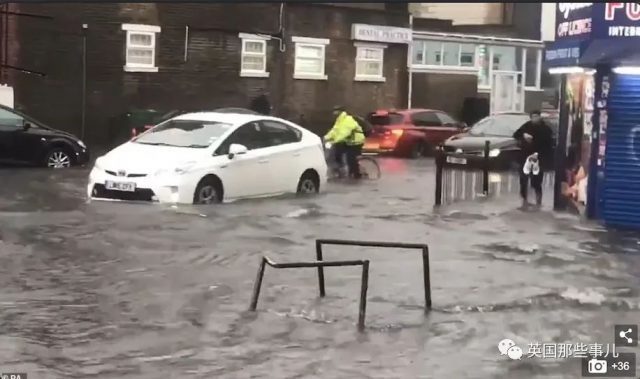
x=263, y=161
x=296, y=154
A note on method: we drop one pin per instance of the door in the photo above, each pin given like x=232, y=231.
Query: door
x=429, y=125
x=620, y=194
x=245, y=175
x=504, y=92
x=286, y=155
x=11, y=131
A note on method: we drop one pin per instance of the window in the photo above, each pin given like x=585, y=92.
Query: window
x=533, y=67
x=385, y=119
x=469, y=58
x=309, y=58
x=184, y=133
x=445, y=118
x=140, y=54
x=504, y=58
x=249, y=135
x=450, y=54
x=428, y=53
x=277, y=133
x=253, y=60
x=10, y=120
x=418, y=52
x=499, y=125
x=425, y=119
x=369, y=62
x=467, y=55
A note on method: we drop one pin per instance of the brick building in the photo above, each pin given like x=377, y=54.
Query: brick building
x=109, y=58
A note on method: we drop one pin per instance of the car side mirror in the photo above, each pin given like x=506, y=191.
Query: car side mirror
x=236, y=149
x=26, y=125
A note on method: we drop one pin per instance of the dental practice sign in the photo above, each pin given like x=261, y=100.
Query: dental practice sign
x=616, y=20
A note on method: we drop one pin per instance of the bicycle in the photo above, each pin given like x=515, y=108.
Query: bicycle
x=369, y=167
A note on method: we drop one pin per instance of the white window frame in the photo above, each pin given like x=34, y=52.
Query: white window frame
x=475, y=70
x=442, y=68
x=254, y=38
x=370, y=46
x=315, y=43
x=150, y=30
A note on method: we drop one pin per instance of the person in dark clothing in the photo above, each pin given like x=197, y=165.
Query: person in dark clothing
x=261, y=105
x=536, y=146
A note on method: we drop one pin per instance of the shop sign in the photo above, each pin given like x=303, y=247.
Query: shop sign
x=573, y=20
x=616, y=20
x=562, y=53
x=378, y=33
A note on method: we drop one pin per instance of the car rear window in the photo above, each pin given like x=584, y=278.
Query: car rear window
x=386, y=119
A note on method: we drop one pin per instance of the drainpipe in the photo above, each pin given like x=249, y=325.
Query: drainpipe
x=84, y=80
x=409, y=64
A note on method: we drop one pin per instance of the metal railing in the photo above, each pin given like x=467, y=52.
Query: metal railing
x=364, y=283
x=462, y=183
x=422, y=247
x=320, y=264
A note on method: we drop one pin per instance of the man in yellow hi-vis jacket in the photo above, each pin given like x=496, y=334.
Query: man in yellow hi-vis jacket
x=347, y=137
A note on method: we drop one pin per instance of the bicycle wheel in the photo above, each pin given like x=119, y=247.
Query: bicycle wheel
x=369, y=168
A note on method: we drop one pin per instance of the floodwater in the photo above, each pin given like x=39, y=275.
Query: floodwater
x=120, y=290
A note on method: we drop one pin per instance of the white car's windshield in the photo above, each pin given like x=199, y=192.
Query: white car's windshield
x=499, y=125
x=184, y=133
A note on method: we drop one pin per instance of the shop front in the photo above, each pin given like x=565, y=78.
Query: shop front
x=597, y=161
x=505, y=72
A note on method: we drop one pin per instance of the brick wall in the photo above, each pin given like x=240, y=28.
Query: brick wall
x=461, y=13
x=209, y=78
x=443, y=91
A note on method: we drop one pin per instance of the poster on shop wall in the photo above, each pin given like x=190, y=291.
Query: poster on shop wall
x=580, y=105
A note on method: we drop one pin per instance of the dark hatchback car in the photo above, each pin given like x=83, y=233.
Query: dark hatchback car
x=24, y=140
x=467, y=149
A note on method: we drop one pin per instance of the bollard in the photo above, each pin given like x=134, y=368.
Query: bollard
x=320, y=268
x=440, y=156
x=427, y=278
x=364, y=286
x=485, y=168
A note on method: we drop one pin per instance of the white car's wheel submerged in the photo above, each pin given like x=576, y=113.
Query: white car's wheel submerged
x=309, y=183
x=208, y=191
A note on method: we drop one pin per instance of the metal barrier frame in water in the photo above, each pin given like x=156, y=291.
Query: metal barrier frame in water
x=364, y=283
x=424, y=248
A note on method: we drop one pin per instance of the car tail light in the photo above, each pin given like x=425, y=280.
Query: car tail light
x=148, y=126
x=395, y=132
x=133, y=133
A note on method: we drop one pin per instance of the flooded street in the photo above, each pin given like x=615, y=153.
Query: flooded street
x=120, y=290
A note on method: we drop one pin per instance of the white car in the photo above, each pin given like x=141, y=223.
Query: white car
x=209, y=157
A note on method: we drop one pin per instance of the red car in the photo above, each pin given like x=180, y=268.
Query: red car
x=411, y=132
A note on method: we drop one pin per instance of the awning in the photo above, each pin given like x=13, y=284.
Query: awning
x=564, y=53
x=615, y=53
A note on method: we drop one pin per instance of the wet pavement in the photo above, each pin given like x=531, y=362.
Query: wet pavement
x=120, y=290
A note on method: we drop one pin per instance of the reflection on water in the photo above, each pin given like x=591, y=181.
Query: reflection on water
x=116, y=290
x=464, y=185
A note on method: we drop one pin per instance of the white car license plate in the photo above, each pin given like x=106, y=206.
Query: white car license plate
x=456, y=160
x=120, y=186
